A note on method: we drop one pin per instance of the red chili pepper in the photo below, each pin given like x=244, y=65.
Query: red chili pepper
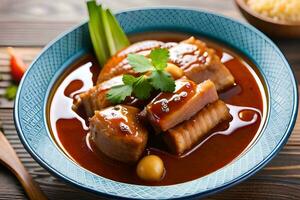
x=17, y=66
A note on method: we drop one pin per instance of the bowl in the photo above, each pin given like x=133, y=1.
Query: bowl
x=268, y=25
x=34, y=89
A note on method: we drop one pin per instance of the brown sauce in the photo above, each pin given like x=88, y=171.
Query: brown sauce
x=226, y=142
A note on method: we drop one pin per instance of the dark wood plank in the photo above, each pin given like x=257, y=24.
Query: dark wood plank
x=9, y=186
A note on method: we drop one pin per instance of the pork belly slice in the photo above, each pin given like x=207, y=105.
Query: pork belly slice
x=118, y=64
x=95, y=98
x=201, y=63
x=185, y=135
x=118, y=134
x=167, y=110
x=198, y=62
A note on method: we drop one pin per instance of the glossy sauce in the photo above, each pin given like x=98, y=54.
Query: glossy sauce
x=166, y=103
x=187, y=55
x=118, y=119
x=225, y=143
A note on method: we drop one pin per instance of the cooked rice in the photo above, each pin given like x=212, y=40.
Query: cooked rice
x=281, y=10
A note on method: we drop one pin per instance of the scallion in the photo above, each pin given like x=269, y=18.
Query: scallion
x=106, y=33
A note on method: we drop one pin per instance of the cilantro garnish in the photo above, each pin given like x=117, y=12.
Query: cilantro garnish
x=162, y=80
x=118, y=93
x=142, y=86
x=139, y=63
x=128, y=79
x=159, y=58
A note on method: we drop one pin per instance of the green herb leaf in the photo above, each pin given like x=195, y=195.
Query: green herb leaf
x=128, y=79
x=159, y=58
x=11, y=92
x=162, y=80
x=139, y=63
x=118, y=94
x=142, y=88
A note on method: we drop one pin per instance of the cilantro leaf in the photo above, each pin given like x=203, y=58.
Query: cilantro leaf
x=139, y=63
x=159, y=58
x=142, y=88
x=118, y=94
x=139, y=86
x=162, y=80
x=128, y=79
x=11, y=92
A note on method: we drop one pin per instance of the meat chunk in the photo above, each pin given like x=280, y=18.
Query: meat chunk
x=118, y=64
x=185, y=135
x=117, y=133
x=91, y=100
x=201, y=63
x=169, y=109
x=198, y=62
x=95, y=98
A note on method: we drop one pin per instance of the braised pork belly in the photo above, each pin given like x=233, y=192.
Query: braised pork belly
x=117, y=132
x=169, y=109
x=198, y=62
x=95, y=98
x=201, y=63
x=118, y=64
x=185, y=135
x=182, y=117
x=154, y=108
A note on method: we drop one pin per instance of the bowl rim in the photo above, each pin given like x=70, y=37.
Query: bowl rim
x=242, y=5
x=210, y=191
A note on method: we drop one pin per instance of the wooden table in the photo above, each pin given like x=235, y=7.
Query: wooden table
x=29, y=25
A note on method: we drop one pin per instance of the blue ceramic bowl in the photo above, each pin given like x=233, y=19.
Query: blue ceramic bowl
x=30, y=105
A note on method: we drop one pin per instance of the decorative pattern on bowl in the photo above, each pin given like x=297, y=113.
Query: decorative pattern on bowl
x=30, y=105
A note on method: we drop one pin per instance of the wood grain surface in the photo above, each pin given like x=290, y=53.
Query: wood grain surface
x=9, y=158
x=30, y=24
x=36, y=22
